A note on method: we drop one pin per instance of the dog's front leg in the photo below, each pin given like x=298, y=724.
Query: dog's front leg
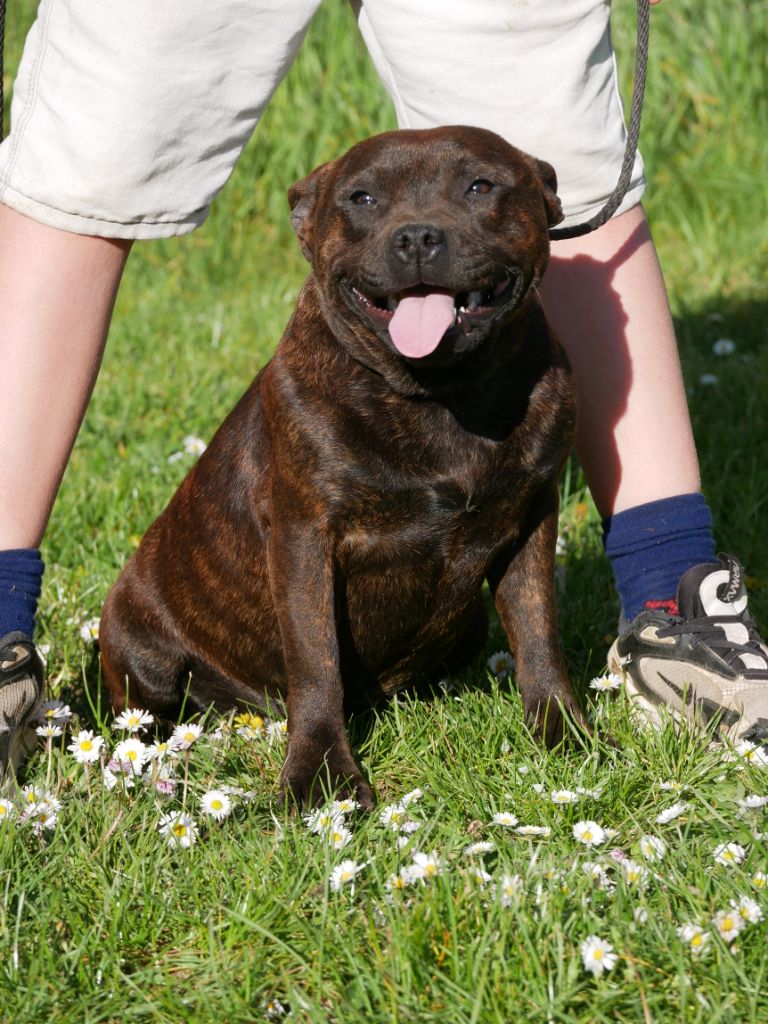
x=319, y=758
x=523, y=589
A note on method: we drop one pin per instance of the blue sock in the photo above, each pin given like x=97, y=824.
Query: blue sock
x=651, y=546
x=21, y=575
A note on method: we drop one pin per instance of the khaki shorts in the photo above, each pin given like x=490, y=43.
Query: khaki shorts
x=128, y=116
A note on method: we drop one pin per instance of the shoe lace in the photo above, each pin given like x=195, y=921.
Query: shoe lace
x=710, y=631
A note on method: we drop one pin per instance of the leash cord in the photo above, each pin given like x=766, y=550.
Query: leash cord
x=2, y=47
x=633, y=134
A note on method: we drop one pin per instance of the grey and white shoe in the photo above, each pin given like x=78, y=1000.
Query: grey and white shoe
x=701, y=657
x=21, y=690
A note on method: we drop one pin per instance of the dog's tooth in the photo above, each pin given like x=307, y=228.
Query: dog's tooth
x=474, y=299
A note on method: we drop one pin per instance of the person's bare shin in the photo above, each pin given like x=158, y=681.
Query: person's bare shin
x=57, y=292
x=605, y=296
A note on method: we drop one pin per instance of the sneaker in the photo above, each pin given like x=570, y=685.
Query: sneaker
x=700, y=657
x=21, y=690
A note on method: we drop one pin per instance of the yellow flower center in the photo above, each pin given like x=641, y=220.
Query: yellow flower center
x=727, y=924
x=180, y=829
x=696, y=940
x=216, y=805
x=598, y=954
x=86, y=745
x=587, y=836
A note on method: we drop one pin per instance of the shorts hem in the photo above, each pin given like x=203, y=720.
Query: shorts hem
x=81, y=224
x=632, y=198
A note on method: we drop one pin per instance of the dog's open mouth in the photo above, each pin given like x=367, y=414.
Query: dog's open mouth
x=418, y=318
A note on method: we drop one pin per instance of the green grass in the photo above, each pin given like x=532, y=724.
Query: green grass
x=103, y=921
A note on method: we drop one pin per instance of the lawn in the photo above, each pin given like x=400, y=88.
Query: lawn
x=108, y=916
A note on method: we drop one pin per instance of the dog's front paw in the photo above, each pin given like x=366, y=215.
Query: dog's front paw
x=306, y=784
x=546, y=717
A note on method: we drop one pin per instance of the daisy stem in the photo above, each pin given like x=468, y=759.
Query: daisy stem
x=88, y=778
x=186, y=779
x=49, y=745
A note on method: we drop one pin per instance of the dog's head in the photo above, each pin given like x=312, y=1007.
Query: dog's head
x=424, y=245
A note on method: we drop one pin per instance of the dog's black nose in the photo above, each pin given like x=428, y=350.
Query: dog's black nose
x=418, y=243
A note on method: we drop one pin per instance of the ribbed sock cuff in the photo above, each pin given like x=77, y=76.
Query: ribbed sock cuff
x=651, y=546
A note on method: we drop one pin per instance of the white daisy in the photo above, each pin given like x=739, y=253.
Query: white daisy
x=345, y=806
x=751, y=753
x=597, y=955
x=89, y=631
x=344, y=873
x=728, y=923
x=708, y=379
x=399, y=880
x=162, y=749
x=640, y=914
x=564, y=796
x=322, y=820
x=749, y=911
x=505, y=818
x=426, y=865
x=672, y=812
x=533, y=830
x=729, y=854
x=133, y=720
x=760, y=880
x=753, y=802
x=7, y=809
x=475, y=849
x=634, y=873
x=393, y=816
x=724, y=347
x=49, y=731
x=178, y=828
x=479, y=876
x=695, y=937
x=672, y=786
x=186, y=734
x=605, y=683
x=510, y=886
x=193, y=445
x=53, y=709
x=131, y=754
x=85, y=747
x=216, y=804
x=277, y=731
x=589, y=833
x=652, y=848
x=338, y=836
x=412, y=797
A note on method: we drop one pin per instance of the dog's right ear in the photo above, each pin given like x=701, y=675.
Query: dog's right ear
x=302, y=198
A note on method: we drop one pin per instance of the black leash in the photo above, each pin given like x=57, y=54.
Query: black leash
x=2, y=48
x=633, y=134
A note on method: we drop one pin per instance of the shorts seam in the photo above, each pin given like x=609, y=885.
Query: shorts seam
x=194, y=216
x=26, y=115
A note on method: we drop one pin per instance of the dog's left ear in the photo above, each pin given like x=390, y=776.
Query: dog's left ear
x=548, y=178
x=302, y=198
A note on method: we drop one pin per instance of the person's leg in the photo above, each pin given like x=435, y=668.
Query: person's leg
x=605, y=296
x=57, y=291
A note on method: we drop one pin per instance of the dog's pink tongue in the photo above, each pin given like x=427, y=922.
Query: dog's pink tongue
x=420, y=321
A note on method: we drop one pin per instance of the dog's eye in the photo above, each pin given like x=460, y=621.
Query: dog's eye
x=480, y=187
x=362, y=198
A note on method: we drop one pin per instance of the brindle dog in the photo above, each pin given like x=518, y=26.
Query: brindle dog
x=402, y=446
